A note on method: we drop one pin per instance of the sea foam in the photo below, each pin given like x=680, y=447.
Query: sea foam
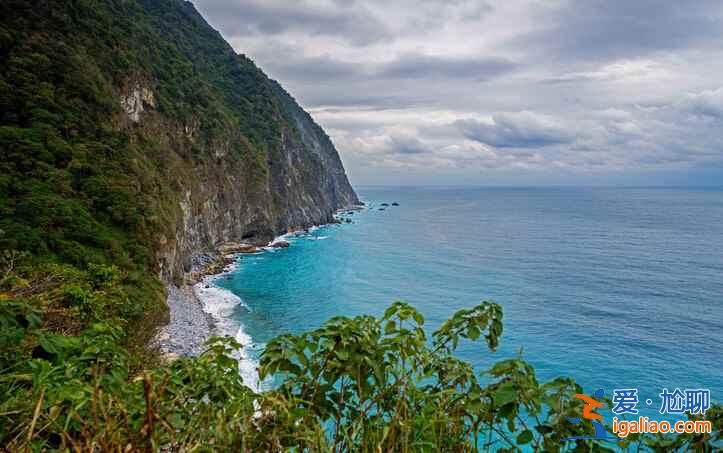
x=220, y=303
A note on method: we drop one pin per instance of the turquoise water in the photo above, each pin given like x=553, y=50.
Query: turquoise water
x=616, y=288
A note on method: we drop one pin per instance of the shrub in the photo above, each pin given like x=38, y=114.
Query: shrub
x=353, y=384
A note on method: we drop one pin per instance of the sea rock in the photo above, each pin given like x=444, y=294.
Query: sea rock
x=395, y=204
x=385, y=204
x=280, y=243
x=228, y=247
x=235, y=247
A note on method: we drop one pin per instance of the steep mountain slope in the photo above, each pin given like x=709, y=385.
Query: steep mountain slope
x=132, y=135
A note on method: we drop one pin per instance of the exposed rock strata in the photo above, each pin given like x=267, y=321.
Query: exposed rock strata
x=226, y=179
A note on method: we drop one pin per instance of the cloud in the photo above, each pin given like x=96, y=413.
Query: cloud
x=708, y=103
x=623, y=70
x=613, y=29
x=420, y=66
x=291, y=65
x=621, y=139
x=290, y=62
x=347, y=20
x=406, y=144
x=323, y=80
x=474, y=91
x=516, y=130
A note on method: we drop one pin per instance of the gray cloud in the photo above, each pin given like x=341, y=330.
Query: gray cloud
x=408, y=145
x=520, y=91
x=327, y=81
x=291, y=63
x=347, y=20
x=419, y=66
x=609, y=29
x=516, y=130
x=312, y=69
x=708, y=103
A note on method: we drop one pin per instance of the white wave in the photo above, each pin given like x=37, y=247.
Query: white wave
x=220, y=304
x=288, y=237
x=248, y=367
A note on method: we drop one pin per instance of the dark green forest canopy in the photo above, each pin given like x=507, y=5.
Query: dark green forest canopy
x=77, y=184
x=74, y=184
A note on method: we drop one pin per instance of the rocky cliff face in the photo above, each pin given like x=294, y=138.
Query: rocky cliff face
x=225, y=187
x=229, y=199
x=133, y=136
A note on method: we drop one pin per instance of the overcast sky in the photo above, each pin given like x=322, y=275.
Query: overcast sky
x=519, y=92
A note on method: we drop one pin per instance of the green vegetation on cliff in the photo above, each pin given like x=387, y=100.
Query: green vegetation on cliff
x=110, y=111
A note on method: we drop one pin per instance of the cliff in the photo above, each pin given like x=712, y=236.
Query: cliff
x=238, y=186
x=158, y=128
x=133, y=136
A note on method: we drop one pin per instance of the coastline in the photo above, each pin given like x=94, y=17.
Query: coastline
x=190, y=322
x=189, y=325
x=199, y=310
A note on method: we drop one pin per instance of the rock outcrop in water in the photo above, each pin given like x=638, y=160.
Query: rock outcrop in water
x=280, y=244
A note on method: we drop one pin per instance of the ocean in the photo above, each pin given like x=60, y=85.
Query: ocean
x=614, y=287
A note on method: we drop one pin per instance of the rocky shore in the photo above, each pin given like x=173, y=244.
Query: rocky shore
x=190, y=325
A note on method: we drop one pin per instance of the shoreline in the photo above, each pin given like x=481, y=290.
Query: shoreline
x=191, y=321
x=189, y=324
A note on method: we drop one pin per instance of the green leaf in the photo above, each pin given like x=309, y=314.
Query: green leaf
x=418, y=318
x=525, y=437
x=544, y=429
x=390, y=327
x=505, y=394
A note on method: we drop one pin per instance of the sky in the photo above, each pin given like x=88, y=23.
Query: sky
x=513, y=92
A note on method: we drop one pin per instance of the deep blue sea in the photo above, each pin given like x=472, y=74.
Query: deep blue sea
x=617, y=288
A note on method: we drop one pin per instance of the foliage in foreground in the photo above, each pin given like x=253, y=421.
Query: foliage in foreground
x=354, y=384
x=82, y=185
